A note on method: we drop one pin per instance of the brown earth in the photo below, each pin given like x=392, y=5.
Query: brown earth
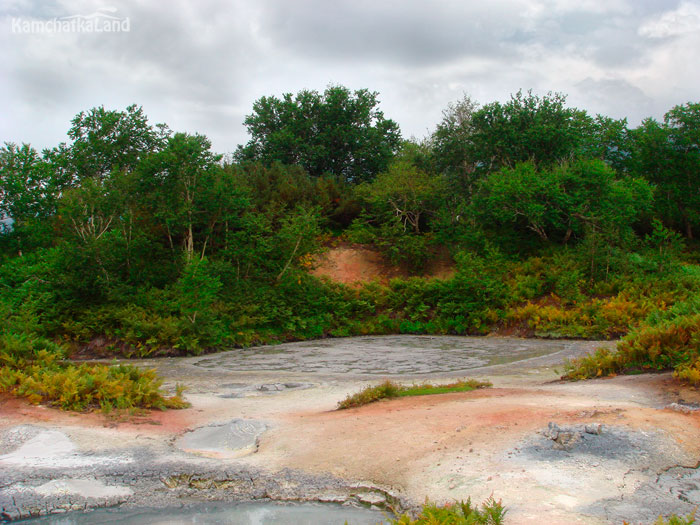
x=355, y=263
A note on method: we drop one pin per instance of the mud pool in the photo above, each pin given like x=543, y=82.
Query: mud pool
x=258, y=513
x=388, y=355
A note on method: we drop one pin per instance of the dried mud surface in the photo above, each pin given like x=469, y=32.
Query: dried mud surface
x=624, y=448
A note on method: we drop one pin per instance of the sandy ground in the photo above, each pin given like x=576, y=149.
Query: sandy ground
x=631, y=456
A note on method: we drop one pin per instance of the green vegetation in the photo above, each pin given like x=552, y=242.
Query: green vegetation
x=132, y=240
x=33, y=368
x=677, y=520
x=491, y=512
x=669, y=345
x=389, y=389
x=337, y=132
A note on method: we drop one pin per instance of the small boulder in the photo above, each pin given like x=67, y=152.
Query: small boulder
x=594, y=428
x=564, y=437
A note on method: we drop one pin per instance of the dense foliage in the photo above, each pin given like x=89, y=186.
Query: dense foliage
x=133, y=240
x=337, y=132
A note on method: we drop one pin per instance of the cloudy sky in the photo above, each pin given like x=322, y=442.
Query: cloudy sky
x=199, y=65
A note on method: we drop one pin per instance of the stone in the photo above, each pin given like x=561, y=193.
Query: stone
x=564, y=437
x=683, y=408
x=87, y=488
x=594, y=428
x=371, y=498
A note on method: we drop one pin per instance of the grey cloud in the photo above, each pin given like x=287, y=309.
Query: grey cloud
x=400, y=32
x=616, y=98
x=199, y=66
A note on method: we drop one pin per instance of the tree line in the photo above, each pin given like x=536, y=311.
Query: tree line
x=128, y=218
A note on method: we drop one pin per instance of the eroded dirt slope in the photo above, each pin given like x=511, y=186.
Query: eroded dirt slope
x=354, y=263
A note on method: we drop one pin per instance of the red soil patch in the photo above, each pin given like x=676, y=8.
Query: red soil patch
x=350, y=265
x=353, y=264
x=17, y=411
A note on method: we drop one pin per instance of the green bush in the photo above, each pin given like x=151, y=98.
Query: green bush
x=389, y=389
x=666, y=346
x=677, y=520
x=35, y=369
x=491, y=512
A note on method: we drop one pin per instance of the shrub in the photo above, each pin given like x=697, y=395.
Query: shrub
x=84, y=387
x=33, y=367
x=668, y=345
x=389, y=389
x=676, y=520
x=491, y=512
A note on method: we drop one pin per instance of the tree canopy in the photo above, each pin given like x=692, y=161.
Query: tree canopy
x=338, y=132
x=668, y=154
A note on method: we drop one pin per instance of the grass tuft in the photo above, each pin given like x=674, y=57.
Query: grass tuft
x=389, y=389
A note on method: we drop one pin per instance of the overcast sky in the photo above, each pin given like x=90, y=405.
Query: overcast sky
x=199, y=65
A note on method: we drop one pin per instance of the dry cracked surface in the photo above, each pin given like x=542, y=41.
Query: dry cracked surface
x=263, y=424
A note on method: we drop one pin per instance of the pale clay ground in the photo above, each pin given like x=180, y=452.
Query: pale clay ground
x=477, y=444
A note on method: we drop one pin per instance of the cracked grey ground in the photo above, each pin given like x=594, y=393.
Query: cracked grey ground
x=156, y=481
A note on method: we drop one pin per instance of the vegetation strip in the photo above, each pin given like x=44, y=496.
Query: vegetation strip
x=491, y=512
x=389, y=389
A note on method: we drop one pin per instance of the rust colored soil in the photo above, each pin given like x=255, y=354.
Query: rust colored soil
x=352, y=264
x=16, y=411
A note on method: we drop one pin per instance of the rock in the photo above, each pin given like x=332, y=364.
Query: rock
x=552, y=431
x=564, y=437
x=279, y=387
x=683, y=408
x=87, y=488
x=272, y=387
x=594, y=428
x=371, y=498
x=566, y=440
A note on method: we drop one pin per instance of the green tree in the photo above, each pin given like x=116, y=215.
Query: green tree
x=472, y=141
x=578, y=198
x=197, y=289
x=175, y=181
x=30, y=185
x=338, y=132
x=668, y=155
x=107, y=140
x=27, y=186
x=267, y=250
x=405, y=192
x=527, y=128
x=609, y=140
x=453, y=145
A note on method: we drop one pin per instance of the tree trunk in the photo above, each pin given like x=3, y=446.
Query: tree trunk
x=189, y=242
x=291, y=258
